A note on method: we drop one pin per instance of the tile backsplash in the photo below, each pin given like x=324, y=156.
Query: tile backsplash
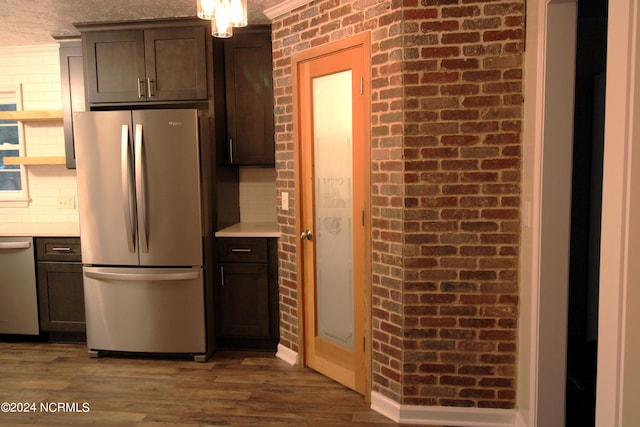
x=37, y=69
x=257, y=194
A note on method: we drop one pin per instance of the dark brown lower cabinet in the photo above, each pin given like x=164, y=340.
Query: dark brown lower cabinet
x=60, y=288
x=247, y=294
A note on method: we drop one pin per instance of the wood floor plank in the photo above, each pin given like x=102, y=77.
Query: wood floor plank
x=232, y=389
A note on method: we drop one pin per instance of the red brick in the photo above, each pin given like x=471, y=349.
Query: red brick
x=440, y=52
x=439, y=26
x=460, y=38
x=489, y=36
x=461, y=64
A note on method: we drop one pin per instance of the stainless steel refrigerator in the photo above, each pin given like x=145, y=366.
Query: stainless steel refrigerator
x=139, y=199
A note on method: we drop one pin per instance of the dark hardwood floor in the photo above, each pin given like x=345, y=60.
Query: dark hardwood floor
x=232, y=389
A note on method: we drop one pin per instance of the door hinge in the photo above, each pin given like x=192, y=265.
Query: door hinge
x=363, y=217
x=361, y=85
x=364, y=344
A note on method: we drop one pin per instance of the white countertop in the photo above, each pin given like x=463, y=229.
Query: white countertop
x=250, y=229
x=42, y=229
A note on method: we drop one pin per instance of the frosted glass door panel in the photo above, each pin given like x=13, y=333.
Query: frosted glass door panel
x=332, y=129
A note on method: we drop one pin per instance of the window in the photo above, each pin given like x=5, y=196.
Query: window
x=13, y=180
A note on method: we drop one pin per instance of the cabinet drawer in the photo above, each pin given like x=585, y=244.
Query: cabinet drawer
x=242, y=249
x=58, y=249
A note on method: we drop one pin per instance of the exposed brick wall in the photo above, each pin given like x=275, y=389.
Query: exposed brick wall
x=446, y=95
x=463, y=110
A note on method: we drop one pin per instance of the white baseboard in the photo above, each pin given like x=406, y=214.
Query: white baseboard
x=520, y=420
x=442, y=415
x=286, y=354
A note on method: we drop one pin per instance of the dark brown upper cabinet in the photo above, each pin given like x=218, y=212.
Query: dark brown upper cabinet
x=73, y=95
x=141, y=65
x=249, y=97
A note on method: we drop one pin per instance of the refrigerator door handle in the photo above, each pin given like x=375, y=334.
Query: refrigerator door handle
x=157, y=276
x=129, y=213
x=140, y=192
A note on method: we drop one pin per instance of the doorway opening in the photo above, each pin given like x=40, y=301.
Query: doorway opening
x=586, y=206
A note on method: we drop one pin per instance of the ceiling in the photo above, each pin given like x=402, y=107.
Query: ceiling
x=33, y=22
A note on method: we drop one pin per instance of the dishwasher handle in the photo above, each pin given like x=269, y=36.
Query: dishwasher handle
x=15, y=245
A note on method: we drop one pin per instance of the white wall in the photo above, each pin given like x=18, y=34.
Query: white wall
x=37, y=68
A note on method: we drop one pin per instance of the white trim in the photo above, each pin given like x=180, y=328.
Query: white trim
x=547, y=155
x=618, y=377
x=284, y=7
x=15, y=203
x=520, y=420
x=18, y=198
x=442, y=415
x=288, y=355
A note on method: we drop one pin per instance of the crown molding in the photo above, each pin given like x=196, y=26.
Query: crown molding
x=280, y=9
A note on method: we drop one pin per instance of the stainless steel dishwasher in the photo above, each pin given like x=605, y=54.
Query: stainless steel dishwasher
x=18, y=293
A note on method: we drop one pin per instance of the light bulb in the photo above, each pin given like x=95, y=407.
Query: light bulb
x=238, y=13
x=206, y=9
x=221, y=25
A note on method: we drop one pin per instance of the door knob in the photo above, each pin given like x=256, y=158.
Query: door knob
x=306, y=234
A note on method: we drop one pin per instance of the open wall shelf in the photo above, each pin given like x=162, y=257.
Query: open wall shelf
x=35, y=160
x=31, y=115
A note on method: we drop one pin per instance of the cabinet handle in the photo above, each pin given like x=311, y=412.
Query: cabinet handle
x=230, y=151
x=61, y=249
x=141, y=88
x=221, y=275
x=241, y=250
x=151, y=88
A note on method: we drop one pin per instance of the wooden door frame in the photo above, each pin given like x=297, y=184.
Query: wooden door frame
x=358, y=40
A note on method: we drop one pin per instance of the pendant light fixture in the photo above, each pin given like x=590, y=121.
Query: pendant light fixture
x=206, y=9
x=221, y=24
x=238, y=12
x=224, y=15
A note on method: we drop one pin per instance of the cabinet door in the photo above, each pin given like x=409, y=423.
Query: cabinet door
x=249, y=91
x=72, y=81
x=243, y=301
x=61, y=297
x=175, y=61
x=115, y=66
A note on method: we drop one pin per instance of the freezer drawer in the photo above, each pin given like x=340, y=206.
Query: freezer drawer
x=145, y=309
x=18, y=297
